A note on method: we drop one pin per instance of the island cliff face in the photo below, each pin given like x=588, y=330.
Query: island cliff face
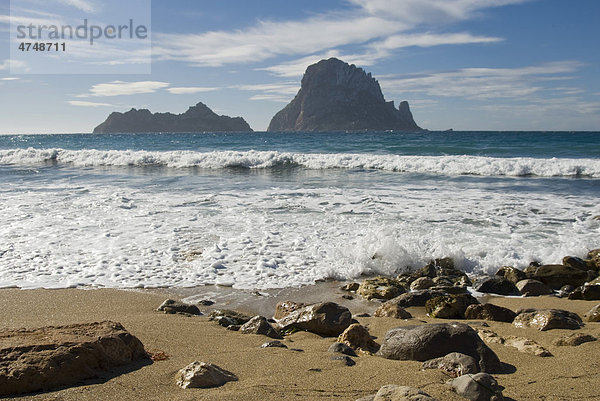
x=198, y=118
x=336, y=96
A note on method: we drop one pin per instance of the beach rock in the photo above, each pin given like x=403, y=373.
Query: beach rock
x=527, y=346
x=335, y=96
x=203, y=375
x=357, y=337
x=478, y=387
x=450, y=290
x=449, y=306
x=455, y=364
x=547, y=319
x=586, y=292
x=593, y=315
x=380, y=288
x=206, y=302
x=488, y=336
x=555, y=276
x=284, y=308
x=49, y=357
x=490, y=312
x=594, y=257
x=341, y=348
x=520, y=343
x=351, y=287
x=416, y=298
x=497, y=285
x=578, y=263
x=226, y=317
x=171, y=306
x=565, y=290
x=573, y=340
x=273, y=344
x=259, y=325
x=533, y=288
x=391, y=392
x=422, y=283
x=198, y=118
x=326, y=319
x=511, y=274
x=425, y=342
x=346, y=360
x=391, y=309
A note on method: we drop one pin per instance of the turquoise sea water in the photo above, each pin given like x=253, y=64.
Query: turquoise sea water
x=263, y=210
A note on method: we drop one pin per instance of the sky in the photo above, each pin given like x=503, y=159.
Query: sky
x=461, y=64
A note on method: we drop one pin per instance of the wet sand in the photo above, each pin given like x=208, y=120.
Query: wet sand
x=282, y=374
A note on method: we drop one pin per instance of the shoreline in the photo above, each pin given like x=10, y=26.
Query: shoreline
x=280, y=374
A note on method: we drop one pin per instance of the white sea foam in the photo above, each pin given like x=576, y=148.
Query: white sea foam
x=117, y=230
x=446, y=165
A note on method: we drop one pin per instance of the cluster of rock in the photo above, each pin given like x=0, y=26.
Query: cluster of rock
x=334, y=96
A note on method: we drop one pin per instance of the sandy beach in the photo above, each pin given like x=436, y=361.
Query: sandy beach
x=285, y=374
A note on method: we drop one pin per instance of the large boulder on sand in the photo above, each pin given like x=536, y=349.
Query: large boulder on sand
x=326, y=319
x=497, y=285
x=425, y=342
x=55, y=356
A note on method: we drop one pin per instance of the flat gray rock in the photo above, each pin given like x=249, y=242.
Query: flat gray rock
x=477, y=387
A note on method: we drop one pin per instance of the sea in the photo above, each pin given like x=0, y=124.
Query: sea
x=263, y=210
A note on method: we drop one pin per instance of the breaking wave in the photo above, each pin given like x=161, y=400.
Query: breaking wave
x=444, y=165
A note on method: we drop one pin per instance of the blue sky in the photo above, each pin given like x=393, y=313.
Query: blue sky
x=461, y=64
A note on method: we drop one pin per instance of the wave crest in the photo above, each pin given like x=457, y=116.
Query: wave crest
x=445, y=165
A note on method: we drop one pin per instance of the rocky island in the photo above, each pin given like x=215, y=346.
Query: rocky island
x=198, y=118
x=336, y=96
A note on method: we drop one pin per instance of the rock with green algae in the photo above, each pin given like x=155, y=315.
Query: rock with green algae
x=450, y=306
x=380, y=288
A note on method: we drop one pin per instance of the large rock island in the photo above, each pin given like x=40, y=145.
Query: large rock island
x=198, y=118
x=336, y=96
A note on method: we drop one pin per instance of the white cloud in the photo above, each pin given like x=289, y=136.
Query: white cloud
x=480, y=83
x=83, y=5
x=189, y=90
x=119, y=88
x=10, y=79
x=16, y=64
x=88, y=104
x=378, y=50
x=281, y=92
x=379, y=25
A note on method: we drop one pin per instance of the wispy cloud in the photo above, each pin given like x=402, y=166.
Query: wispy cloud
x=380, y=26
x=281, y=92
x=481, y=83
x=190, y=90
x=83, y=5
x=120, y=88
x=9, y=79
x=8, y=64
x=81, y=103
